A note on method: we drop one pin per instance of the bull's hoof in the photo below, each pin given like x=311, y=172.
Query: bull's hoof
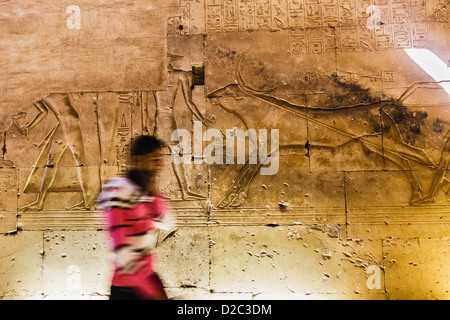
x=239, y=200
x=226, y=201
x=223, y=203
x=423, y=200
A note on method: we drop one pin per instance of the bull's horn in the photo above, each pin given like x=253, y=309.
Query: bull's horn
x=241, y=81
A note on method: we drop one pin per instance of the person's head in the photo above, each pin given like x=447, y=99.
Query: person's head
x=146, y=154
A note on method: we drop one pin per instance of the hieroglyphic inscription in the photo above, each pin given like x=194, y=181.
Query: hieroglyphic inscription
x=441, y=11
x=123, y=132
x=318, y=26
x=187, y=22
x=392, y=24
x=315, y=78
x=382, y=76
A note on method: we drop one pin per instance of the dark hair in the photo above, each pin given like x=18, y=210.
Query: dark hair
x=145, y=144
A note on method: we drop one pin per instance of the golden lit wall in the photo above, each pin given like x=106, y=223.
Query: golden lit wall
x=351, y=203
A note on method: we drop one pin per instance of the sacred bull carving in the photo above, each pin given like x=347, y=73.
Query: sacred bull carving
x=237, y=97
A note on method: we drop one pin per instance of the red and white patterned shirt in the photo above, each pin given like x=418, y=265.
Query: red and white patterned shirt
x=134, y=221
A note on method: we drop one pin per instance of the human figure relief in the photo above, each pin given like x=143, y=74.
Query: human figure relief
x=8, y=173
x=65, y=134
x=166, y=123
x=10, y=123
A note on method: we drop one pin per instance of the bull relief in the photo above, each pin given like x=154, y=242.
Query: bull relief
x=382, y=133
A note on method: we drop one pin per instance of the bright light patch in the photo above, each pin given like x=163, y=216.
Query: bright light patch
x=432, y=65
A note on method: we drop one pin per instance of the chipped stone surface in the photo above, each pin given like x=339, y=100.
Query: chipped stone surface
x=21, y=265
x=75, y=263
x=183, y=259
x=417, y=268
x=276, y=261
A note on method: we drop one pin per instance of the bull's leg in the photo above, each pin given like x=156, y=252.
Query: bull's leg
x=237, y=193
x=439, y=177
x=403, y=163
x=396, y=157
x=401, y=147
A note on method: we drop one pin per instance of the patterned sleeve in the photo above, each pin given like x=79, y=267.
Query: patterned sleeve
x=118, y=227
x=116, y=201
x=166, y=219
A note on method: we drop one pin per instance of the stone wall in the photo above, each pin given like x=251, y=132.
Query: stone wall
x=353, y=203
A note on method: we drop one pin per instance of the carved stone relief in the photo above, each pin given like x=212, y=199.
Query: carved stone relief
x=8, y=196
x=318, y=27
x=326, y=128
x=324, y=101
x=76, y=141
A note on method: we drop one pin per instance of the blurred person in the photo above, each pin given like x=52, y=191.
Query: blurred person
x=135, y=214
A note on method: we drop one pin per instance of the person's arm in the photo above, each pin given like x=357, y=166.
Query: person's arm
x=42, y=113
x=166, y=222
x=165, y=219
x=185, y=79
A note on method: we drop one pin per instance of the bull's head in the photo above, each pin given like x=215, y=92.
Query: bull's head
x=227, y=97
x=235, y=91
